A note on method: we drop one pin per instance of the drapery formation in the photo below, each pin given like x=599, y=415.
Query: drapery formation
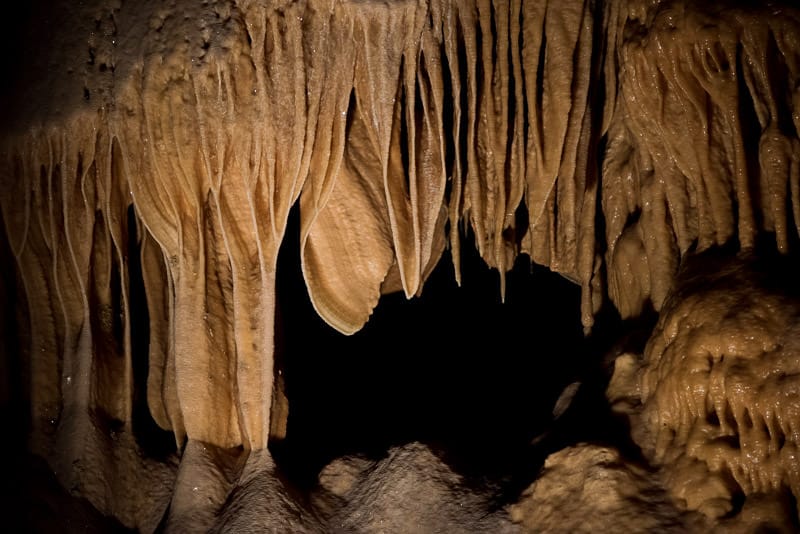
x=451, y=113
x=603, y=139
x=702, y=147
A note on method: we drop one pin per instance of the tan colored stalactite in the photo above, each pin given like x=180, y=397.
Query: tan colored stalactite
x=502, y=162
x=683, y=166
x=355, y=206
x=414, y=209
x=556, y=124
x=486, y=186
x=330, y=107
x=384, y=215
x=224, y=170
x=449, y=33
x=778, y=152
x=162, y=397
x=170, y=192
x=111, y=333
x=620, y=198
x=344, y=209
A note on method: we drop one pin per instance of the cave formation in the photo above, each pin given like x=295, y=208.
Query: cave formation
x=526, y=197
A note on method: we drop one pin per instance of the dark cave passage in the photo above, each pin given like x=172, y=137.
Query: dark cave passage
x=455, y=367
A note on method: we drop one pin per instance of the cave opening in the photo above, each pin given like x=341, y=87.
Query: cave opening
x=457, y=368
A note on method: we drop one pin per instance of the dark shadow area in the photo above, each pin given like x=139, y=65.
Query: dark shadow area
x=763, y=267
x=33, y=500
x=456, y=368
x=37, y=503
x=14, y=374
x=154, y=441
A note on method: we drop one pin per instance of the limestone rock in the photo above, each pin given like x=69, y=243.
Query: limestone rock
x=411, y=491
x=714, y=400
x=592, y=488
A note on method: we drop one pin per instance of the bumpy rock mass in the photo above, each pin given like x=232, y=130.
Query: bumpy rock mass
x=164, y=144
x=716, y=395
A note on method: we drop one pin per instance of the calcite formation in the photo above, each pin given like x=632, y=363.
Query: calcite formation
x=589, y=488
x=156, y=149
x=715, y=399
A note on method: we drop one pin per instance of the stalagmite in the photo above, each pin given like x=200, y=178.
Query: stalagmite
x=159, y=148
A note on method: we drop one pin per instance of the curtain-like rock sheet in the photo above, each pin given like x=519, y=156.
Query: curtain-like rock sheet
x=480, y=106
x=603, y=139
x=188, y=143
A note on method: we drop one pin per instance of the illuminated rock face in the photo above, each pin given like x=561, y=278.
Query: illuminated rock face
x=719, y=386
x=157, y=150
x=589, y=488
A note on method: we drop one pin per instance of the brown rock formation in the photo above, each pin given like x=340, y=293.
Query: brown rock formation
x=714, y=400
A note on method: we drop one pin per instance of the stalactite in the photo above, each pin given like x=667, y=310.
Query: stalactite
x=161, y=395
x=687, y=89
